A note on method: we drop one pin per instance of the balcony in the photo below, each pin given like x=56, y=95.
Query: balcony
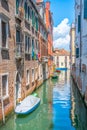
x=44, y=59
x=19, y=50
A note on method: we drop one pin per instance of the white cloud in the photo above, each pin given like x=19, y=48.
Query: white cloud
x=61, y=35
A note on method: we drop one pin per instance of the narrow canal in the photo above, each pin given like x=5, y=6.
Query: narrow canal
x=61, y=108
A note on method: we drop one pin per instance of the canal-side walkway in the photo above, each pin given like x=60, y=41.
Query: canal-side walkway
x=61, y=108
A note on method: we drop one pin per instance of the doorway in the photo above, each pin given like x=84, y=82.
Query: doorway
x=18, y=87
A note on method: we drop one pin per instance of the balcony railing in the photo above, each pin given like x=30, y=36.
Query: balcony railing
x=19, y=50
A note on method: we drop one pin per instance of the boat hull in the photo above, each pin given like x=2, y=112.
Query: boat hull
x=21, y=110
x=54, y=77
x=58, y=71
x=61, y=69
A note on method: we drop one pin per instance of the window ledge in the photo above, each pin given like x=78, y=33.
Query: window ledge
x=5, y=97
x=32, y=81
x=27, y=52
x=27, y=84
x=4, y=48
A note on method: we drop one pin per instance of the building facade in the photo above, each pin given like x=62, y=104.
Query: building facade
x=61, y=58
x=80, y=69
x=72, y=45
x=23, y=52
x=49, y=25
x=46, y=15
x=43, y=41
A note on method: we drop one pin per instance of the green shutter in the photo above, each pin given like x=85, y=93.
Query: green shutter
x=28, y=12
x=25, y=7
x=36, y=24
x=85, y=9
x=77, y=52
x=32, y=18
x=79, y=23
x=17, y=6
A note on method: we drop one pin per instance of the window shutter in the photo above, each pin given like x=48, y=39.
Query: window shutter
x=36, y=24
x=25, y=7
x=79, y=23
x=77, y=52
x=28, y=12
x=32, y=18
x=17, y=6
x=85, y=9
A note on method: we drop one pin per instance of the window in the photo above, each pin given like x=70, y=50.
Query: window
x=28, y=78
x=36, y=73
x=33, y=49
x=5, y=85
x=41, y=71
x=18, y=43
x=18, y=36
x=17, y=6
x=4, y=27
x=33, y=18
x=36, y=20
x=32, y=75
x=27, y=44
x=26, y=10
x=36, y=45
x=61, y=63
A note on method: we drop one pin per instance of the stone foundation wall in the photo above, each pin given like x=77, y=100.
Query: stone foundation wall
x=79, y=85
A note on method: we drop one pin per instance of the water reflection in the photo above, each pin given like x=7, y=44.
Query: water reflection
x=78, y=110
x=62, y=103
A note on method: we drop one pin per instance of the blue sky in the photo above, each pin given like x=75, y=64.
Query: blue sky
x=62, y=9
x=63, y=16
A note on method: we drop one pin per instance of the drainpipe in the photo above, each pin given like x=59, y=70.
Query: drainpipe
x=3, y=114
x=80, y=33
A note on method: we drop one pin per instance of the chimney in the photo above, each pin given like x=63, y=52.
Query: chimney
x=48, y=5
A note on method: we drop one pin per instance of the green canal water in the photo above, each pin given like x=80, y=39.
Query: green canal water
x=61, y=108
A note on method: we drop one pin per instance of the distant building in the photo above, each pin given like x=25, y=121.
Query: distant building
x=46, y=15
x=72, y=45
x=61, y=58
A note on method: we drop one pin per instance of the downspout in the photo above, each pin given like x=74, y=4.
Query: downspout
x=80, y=33
x=3, y=114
